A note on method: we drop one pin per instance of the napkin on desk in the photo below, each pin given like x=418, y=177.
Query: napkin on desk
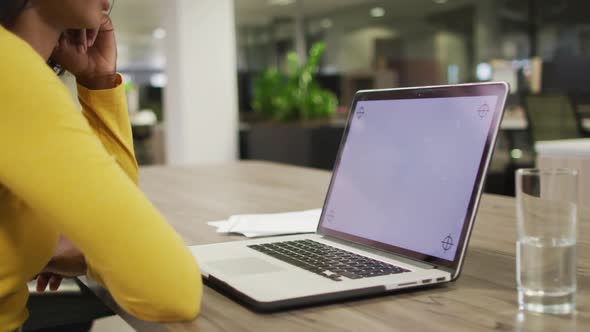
x=256, y=225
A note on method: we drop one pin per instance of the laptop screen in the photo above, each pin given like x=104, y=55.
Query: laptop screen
x=407, y=171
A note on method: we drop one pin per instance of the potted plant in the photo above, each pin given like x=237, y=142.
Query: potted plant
x=294, y=96
x=295, y=111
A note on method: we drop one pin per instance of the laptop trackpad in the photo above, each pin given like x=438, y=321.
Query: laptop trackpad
x=244, y=266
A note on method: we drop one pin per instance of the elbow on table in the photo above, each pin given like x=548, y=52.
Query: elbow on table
x=177, y=305
x=185, y=310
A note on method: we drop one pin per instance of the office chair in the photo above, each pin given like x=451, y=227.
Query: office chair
x=581, y=105
x=72, y=308
x=551, y=117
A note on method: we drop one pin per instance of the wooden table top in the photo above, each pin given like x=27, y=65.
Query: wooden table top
x=483, y=299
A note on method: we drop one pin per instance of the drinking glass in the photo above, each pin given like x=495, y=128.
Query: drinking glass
x=546, y=239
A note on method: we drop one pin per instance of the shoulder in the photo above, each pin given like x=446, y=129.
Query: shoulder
x=27, y=83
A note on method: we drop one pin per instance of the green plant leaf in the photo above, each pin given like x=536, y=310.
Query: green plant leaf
x=294, y=96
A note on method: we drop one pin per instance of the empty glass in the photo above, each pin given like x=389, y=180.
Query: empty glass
x=546, y=244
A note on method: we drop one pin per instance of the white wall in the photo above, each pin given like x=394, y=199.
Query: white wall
x=200, y=100
x=358, y=48
x=451, y=49
x=485, y=37
x=353, y=51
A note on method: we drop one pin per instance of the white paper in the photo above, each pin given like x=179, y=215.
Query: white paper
x=256, y=225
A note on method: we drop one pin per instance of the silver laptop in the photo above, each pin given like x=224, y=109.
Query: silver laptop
x=399, y=209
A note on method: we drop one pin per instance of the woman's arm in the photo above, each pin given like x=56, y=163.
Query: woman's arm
x=106, y=112
x=91, y=56
x=52, y=160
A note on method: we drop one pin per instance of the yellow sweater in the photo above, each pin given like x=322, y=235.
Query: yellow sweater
x=71, y=173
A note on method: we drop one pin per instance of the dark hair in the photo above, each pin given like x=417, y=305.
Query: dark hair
x=10, y=10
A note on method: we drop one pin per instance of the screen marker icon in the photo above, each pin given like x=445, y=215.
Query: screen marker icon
x=447, y=243
x=360, y=113
x=483, y=110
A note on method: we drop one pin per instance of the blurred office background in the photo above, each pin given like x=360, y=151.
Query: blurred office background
x=201, y=86
x=193, y=71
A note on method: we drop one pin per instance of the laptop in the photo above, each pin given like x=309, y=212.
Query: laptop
x=399, y=210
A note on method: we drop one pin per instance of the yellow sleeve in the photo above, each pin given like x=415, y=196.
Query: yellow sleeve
x=106, y=112
x=53, y=161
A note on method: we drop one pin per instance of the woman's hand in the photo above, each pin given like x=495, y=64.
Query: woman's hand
x=90, y=55
x=67, y=262
x=44, y=279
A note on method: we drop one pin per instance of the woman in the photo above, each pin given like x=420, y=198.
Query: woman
x=70, y=178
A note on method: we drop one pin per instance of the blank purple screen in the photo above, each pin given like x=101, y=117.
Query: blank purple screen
x=407, y=171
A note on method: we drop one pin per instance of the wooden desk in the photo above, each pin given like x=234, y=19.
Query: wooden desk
x=483, y=299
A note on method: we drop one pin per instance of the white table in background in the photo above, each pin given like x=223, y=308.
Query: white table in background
x=573, y=153
x=517, y=121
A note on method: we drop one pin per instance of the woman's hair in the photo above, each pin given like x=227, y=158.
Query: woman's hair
x=10, y=10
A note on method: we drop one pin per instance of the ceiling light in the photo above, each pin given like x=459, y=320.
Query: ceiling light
x=159, y=80
x=440, y=2
x=516, y=153
x=326, y=23
x=377, y=12
x=280, y=2
x=484, y=71
x=159, y=33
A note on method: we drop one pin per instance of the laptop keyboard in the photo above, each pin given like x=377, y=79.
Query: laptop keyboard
x=327, y=261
